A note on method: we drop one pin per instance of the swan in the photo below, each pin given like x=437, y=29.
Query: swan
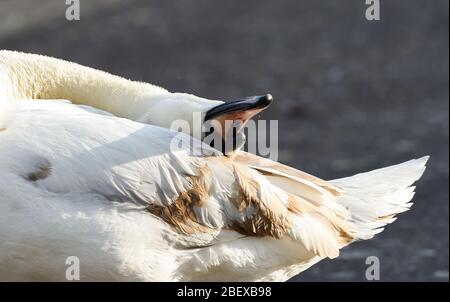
x=81, y=181
x=77, y=181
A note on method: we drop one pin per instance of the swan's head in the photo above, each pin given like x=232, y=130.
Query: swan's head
x=229, y=118
x=217, y=123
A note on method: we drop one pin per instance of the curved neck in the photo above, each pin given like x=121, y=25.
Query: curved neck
x=30, y=76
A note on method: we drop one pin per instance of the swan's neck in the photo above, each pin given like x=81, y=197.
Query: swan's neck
x=29, y=76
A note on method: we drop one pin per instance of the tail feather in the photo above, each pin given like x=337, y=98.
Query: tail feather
x=326, y=216
x=374, y=198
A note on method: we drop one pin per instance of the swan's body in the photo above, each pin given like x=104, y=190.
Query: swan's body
x=78, y=182
x=133, y=202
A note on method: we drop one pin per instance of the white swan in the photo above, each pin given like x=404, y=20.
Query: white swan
x=75, y=181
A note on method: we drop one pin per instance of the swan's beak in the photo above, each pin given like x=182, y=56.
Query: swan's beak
x=234, y=115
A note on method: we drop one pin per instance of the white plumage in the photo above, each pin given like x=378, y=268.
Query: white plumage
x=31, y=76
x=78, y=181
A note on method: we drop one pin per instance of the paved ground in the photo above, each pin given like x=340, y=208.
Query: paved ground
x=351, y=95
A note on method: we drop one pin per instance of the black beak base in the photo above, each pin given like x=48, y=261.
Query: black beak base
x=248, y=103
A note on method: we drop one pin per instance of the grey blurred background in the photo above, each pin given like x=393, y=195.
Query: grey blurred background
x=350, y=95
